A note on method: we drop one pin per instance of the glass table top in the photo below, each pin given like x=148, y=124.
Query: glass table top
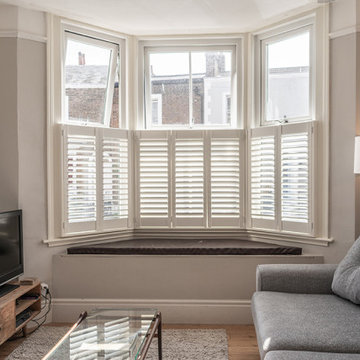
x=106, y=334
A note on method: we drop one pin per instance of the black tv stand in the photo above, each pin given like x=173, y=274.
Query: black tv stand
x=5, y=289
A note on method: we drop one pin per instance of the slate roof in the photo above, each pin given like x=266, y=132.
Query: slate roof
x=86, y=76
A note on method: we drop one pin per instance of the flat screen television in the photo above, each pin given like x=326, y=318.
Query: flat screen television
x=11, y=249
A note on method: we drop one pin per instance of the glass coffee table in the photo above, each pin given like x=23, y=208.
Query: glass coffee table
x=121, y=334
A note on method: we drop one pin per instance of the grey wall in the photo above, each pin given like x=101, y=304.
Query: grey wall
x=9, y=176
x=23, y=146
x=31, y=104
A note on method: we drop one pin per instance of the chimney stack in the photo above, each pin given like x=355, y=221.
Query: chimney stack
x=81, y=58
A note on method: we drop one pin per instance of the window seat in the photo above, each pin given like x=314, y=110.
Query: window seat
x=154, y=246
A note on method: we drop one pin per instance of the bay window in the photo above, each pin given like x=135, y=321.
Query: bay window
x=203, y=154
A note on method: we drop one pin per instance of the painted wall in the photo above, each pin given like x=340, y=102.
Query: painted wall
x=23, y=131
x=9, y=176
x=31, y=103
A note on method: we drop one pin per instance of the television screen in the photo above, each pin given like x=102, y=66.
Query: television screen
x=11, y=264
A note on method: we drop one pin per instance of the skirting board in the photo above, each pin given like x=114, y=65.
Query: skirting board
x=173, y=311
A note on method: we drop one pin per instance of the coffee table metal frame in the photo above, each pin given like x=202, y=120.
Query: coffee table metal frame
x=155, y=330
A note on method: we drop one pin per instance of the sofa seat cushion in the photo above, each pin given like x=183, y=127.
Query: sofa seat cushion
x=307, y=355
x=306, y=322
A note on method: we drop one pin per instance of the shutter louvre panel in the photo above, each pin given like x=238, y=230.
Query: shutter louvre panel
x=153, y=179
x=80, y=180
x=294, y=178
x=115, y=182
x=189, y=180
x=295, y=175
x=95, y=163
x=281, y=163
x=262, y=177
x=225, y=179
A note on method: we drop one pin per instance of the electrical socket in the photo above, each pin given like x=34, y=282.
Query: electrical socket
x=44, y=286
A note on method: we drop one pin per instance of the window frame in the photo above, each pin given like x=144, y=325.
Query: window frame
x=113, y=63
x=105, y=40
x=265, y=38
x=234, y=44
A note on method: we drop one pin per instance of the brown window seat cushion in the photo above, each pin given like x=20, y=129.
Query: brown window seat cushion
x=155, y=246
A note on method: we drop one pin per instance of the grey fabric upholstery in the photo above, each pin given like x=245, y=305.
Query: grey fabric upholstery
x=305, y=322
x=294, y=278
x=346, y=281
x=306, y=355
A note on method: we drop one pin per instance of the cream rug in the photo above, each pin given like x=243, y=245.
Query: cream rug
x=184, y=344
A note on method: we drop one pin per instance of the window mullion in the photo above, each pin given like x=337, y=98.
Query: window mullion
x=99, y=180
x=191, y=120
x=278, y=131
x=110, y=86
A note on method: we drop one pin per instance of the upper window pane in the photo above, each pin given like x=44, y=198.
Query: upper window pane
x=287, y=78
x=211, y=87
x=91, y=69
x=189, y=89
x=169, y=76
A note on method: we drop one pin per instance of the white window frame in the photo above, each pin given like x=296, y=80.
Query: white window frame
x=69, y=30
x=233, y=44
x=272, y=36
x=115, y=53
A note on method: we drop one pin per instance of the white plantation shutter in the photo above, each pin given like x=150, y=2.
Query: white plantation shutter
x=153, y=205
x=96, y=167
x=188, y=175
x=281, y=177
x=225, y=161
x=79, y=152
x=296, y=174
x=262, y=177
x=115, y=169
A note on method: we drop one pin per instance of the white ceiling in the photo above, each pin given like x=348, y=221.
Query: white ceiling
x=153, y=17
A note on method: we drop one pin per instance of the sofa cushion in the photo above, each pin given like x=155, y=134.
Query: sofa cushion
x=307, y=355
x=305, y=322
x=346, y=282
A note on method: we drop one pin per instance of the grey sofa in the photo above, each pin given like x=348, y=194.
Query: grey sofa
x=297, y=316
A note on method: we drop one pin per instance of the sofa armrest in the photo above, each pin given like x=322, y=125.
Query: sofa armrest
x=295, y=278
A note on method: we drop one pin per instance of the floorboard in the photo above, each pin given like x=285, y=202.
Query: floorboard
x=242, y=343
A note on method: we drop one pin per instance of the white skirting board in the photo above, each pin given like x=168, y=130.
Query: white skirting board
x=173, y=311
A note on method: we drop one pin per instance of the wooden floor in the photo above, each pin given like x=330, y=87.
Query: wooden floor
x=241, y=340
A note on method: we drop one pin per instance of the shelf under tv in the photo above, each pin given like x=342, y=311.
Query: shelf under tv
x=12, y=304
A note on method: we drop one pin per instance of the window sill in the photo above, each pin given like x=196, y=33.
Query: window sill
x=93, y=238
x=228, y=233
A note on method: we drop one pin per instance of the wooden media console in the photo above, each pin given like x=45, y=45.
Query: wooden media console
x=25, y=300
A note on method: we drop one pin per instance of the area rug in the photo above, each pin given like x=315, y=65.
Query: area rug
x=179, y=344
